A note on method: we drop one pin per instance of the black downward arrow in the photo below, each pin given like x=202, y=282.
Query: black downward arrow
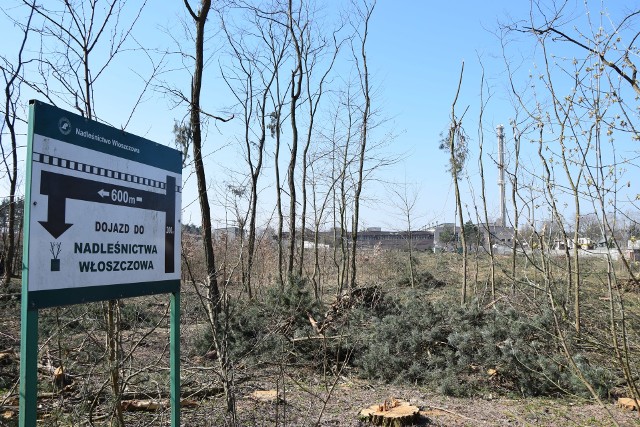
x=55, y=224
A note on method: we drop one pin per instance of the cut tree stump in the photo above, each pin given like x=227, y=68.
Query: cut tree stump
x=627, y=403
x=393, y=413
x=8, y=414
x=141, y=405
x=266, y=396
x=6, y=358
x=153, y=405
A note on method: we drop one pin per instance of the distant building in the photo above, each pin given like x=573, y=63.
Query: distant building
x=229, y=233
x=420, y=240
x=439, y=238
x=585, y=243
x=445, y=236
x=500, y=235
x=633, y=249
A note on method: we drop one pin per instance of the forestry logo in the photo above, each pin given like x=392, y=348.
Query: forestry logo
x=65, y=126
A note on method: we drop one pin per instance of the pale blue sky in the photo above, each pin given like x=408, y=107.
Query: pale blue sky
x=415, y=50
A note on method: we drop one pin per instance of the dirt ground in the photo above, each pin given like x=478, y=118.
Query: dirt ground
x=298, y=407
x=303, y=406
x=305, y=398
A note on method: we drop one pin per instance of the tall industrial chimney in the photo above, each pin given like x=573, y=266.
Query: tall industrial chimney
x=503, y=217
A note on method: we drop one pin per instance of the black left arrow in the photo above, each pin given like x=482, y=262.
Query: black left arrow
x=55, y=224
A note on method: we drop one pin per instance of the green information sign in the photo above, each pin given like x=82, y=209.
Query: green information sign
x=102, y=221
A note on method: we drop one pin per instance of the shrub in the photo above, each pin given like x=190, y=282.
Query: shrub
x=422, y=280
x=258, y=330
x=404, y=337
x=453, y=348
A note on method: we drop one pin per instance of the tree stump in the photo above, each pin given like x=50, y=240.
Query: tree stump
x=266, y=396
x=151, y=405
x=7, y=358
x=393, y=413
x=628, y=404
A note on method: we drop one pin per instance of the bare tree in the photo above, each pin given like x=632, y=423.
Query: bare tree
x=589, y=93
x=404, y=197
x=359, y=49
x=600, y=45
x=275, y=126
x=312, y=55
x=320, y=203
x=213, y=297
x=195, y=126
x=297, y=28
x=456, y=143
x=78, y=59
x=340, y=136
x=255, y=71
x=485, y=212
x=12, y=71
x=329, y=167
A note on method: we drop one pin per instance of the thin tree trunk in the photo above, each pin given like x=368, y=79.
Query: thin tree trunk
x=492, y=273
x=296, y=87
x=214, y=301
x=343, y=262
x=516, y=213
x=309, y=65
x=113, y=339
x=196, y=129
x=455, y=170
x=280, y=217
x=364, y=135
x=12, y=170
x=412, y=278
x=279, y=190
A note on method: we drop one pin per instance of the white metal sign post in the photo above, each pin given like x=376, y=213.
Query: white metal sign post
x=102, y=221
